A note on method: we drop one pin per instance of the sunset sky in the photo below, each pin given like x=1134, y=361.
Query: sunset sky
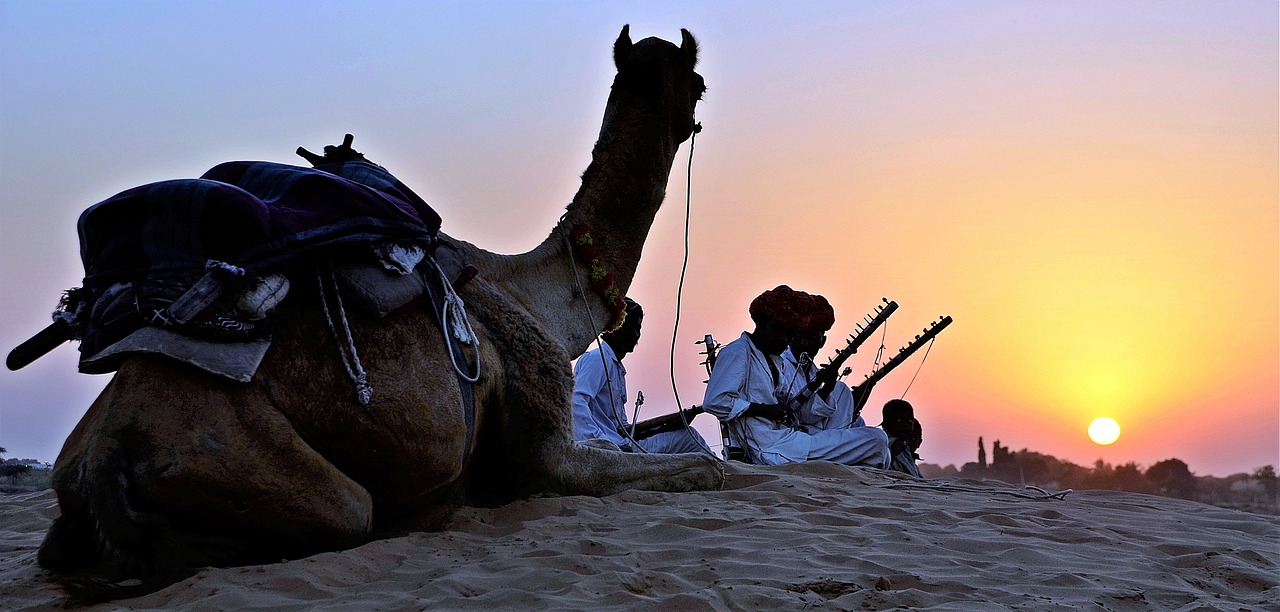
x=1089, y=188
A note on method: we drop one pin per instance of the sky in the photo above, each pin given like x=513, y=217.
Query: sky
x=1089, y=189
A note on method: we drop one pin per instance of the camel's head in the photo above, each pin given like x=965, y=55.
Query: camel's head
x=660, y=75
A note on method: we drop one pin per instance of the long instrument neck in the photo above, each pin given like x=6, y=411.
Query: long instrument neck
x=906, y=351
x=862, y=333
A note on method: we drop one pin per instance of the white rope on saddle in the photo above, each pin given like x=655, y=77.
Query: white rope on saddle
x=346, y=344
x=453, y=318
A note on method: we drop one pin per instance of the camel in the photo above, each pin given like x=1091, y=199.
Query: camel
x=172, y=469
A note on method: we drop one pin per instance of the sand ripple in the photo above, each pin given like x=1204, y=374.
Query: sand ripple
x=811, y=536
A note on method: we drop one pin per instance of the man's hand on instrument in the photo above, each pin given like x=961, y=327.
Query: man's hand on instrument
x=826, y=378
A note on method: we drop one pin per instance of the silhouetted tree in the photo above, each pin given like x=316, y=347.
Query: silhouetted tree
x=1266, y=475
x=982, y=454
x=1173, y=478
x=1129, y=477
x=1102, y=476
x=13, y=471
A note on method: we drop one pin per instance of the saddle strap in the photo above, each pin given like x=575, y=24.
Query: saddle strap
x=438, y=293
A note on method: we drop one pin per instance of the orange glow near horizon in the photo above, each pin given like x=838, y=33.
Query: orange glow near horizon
x=1116, y=255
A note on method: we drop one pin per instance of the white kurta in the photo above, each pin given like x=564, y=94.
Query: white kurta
x=595, y=415
x=599, y=396
x=834, y=412
x=742, y=376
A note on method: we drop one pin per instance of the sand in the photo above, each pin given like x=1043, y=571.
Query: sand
x=802, y=536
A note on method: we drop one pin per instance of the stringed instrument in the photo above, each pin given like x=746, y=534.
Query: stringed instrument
x=862, y=392
x=676, y=420
x=862, y=332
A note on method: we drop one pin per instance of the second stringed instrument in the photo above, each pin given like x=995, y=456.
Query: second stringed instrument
x=862, y=392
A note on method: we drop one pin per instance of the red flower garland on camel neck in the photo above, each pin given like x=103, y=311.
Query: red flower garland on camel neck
x=588, y=254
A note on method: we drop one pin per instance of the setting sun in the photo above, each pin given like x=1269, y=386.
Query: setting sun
x=1104, y=430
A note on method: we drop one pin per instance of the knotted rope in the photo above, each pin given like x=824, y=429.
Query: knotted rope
x=346, y=344
x=457, y=326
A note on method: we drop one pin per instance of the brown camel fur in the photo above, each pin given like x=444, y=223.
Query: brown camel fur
x=172, y=468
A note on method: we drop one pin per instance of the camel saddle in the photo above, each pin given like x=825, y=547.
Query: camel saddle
x=192, y=268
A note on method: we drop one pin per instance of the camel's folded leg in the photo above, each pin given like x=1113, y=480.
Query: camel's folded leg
x=596, y=471
x=170, y=470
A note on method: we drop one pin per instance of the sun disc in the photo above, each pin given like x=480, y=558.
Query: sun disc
x=1104, y=430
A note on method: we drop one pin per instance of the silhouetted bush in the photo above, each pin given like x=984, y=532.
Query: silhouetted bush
x=1255, y=492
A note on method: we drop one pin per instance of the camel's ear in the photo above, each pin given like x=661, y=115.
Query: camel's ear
x=622, y=47
x=690, y=48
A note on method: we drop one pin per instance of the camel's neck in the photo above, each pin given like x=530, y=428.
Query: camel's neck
x=621, y=191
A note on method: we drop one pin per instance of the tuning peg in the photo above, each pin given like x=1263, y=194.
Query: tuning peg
x=884, y=299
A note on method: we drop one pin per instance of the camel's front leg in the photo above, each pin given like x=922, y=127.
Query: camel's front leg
x=585, y=470
x=538, y=429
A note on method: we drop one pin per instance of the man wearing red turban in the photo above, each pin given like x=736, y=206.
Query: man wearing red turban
x=751, y=387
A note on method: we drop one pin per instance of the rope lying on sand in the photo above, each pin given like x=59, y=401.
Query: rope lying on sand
x=1038, y=492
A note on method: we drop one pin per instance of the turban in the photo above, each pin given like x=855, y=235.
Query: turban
x=794, y=309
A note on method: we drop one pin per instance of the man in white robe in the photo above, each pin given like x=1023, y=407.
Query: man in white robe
x=825, y=403
x=749, y=392
x=829, y=404
x=600, y=394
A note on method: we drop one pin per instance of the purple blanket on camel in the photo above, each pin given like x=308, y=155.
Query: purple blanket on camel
x=149, y=244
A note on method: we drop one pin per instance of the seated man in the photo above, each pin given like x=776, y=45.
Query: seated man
x=832, y=405
x=600, y=394
x=747, y=391
x=905, y=435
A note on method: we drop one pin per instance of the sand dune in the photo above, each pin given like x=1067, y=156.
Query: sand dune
x=811, y=536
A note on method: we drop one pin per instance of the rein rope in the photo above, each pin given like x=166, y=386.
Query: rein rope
x=591, y=320
x=684, y=266
x=577, y=281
